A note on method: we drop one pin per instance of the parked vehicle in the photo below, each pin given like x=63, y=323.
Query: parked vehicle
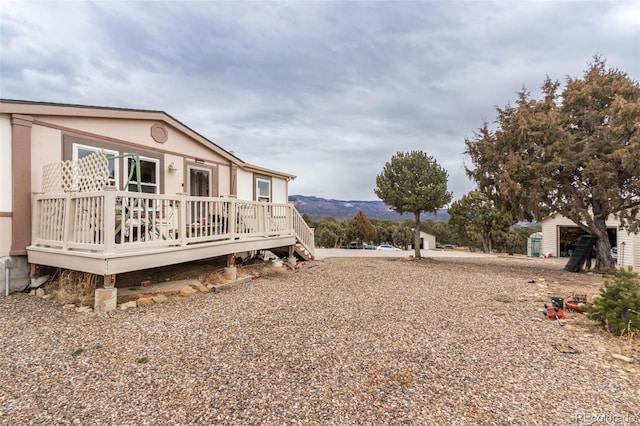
x=445, y=246
x=353, y=245
x=387, y=247
x=368, y=246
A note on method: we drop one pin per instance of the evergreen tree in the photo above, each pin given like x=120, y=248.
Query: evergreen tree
x=360, y=229
x=413, y=183
x=475, y=218
x=576, y=153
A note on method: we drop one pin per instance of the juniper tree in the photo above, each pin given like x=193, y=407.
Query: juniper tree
x=413, y=182
x=576, y=153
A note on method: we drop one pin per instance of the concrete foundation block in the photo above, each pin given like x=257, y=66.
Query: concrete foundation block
x=291, y=261
x=106, y=299
x=230, y=273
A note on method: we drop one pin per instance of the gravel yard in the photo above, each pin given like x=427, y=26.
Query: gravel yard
x=338, y=341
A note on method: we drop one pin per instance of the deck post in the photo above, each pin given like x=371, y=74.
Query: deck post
x=68, y=220
x=109, y=281
x=291, y=260
x=106, y=299
x=233, y=218
x=182, y=218
x=230, y=272
x=109, y=213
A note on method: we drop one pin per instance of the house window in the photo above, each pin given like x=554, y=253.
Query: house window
x=81, y=151
x=199, y=181
x=263, y=190
x=149, y=172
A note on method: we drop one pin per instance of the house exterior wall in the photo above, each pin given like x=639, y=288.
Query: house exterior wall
x=46, y=148
x=5, y=163
x=279, y=191
x=136, y=132
x=224, y=178
x=5, y=235
x=5, y=185
x=245, y=185
x=173, y=181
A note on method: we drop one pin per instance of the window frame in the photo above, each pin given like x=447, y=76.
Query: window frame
x=258, y=195
x=75, y=147
x=201, y=168
x=155, y=185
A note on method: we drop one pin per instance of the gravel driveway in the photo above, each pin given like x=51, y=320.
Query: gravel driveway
x=339, y=341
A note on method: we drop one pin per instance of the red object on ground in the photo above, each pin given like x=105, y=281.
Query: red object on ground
x=551, y=313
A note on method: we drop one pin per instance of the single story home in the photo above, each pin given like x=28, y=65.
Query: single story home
x=110, y=190
x=561, y=235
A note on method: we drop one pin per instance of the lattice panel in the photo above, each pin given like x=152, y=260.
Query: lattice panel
x=90, y=173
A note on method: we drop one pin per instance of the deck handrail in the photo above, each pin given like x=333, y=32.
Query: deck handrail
x=112, y=221
x=304, y=233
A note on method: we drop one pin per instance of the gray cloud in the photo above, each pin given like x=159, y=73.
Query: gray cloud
x=328, y=91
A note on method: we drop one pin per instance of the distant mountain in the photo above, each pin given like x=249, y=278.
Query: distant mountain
x=317, y=208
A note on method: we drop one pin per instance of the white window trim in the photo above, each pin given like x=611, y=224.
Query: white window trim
x=258, y=194
x=116, y=175
x=156, y=185
x=204, y=169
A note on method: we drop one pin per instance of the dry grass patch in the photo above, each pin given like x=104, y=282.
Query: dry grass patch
x=74, y=287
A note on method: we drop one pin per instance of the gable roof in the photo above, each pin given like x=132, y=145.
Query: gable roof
x=14, y=106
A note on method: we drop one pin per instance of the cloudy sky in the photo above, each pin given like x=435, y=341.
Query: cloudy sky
x=325, y=90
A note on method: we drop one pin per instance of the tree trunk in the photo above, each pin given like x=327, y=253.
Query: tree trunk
x=604, y=261
x=486, y=243
x=416, y=237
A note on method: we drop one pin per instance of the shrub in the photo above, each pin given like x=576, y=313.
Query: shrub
x=617, y=309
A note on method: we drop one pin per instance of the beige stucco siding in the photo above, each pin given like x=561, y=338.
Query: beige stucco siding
x=279, y=191
x=245, y=185
x=46, y=148
x=5, y=236
x=6, y=207
x=5, y=163
x=137, y=132
x=173, y=181
x=224, y=180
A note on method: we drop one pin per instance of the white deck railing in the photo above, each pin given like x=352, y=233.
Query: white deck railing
x=111, y=221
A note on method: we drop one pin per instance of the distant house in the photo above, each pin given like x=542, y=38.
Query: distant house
x=110, y=190
x=561, y=235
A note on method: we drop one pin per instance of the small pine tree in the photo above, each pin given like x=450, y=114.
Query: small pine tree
x=618, y=307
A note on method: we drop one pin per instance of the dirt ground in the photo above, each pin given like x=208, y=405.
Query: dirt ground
x=546, y=275
x=545, y=272
x=545, y=278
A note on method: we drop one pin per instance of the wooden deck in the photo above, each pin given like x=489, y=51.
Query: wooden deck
x=109, y=232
